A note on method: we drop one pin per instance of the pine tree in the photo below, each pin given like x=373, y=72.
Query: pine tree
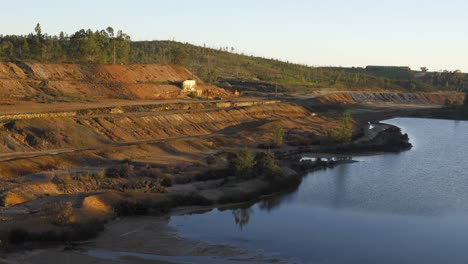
x=344, y=132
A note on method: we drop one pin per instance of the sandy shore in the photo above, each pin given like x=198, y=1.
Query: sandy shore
x=140, y=240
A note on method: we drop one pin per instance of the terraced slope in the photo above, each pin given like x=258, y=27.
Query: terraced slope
x=68, y=82
x=364, y=97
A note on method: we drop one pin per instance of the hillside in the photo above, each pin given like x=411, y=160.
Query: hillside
x=223, y=66
x=78, y=82
x=227, y=68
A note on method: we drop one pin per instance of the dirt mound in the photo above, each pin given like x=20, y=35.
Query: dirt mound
x=27, y=192
x=68, y=82
x=141, y=73
x=97, y=205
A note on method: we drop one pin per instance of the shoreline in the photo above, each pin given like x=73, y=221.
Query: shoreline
x=169, y=236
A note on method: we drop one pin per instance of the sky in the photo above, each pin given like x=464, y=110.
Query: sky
x=413, y=33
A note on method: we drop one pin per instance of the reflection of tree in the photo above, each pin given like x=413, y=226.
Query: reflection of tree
x=340, y=186
x=241, y=216
x=270, y=203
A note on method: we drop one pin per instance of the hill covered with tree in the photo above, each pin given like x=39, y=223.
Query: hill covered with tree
x=222, y=66
x=84, y=46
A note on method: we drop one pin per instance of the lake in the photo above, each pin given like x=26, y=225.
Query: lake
x=410, y=207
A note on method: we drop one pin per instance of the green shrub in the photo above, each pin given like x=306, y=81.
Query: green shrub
x=278, y=137
x=243, y=162
x=344, y=132
x=266, y=165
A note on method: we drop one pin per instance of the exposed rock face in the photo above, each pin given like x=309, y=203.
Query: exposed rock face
x=435, y=98
x=34, y=80
x=103, y=126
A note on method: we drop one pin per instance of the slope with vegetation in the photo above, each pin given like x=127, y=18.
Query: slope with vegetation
x=227, y=68
x=219, y=66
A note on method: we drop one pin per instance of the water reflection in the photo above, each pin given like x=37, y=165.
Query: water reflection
x=242, y=213
x=340, y=186
x=241, y=216
x=406, y=208
x=270, y=203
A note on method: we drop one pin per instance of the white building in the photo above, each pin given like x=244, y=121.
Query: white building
x=189, y=86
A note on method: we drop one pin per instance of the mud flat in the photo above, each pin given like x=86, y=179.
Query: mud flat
x=139, y=240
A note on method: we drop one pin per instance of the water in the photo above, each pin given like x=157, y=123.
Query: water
x=117, y=256
x=410, y=207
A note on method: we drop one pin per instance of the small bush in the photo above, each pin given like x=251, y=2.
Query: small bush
x=345, y=131
x=55, y=138
x=64, y=179
x=266, y=165
x=159, y=188
x=149, y=172
x=32, y=140
x=166, y=180
x=243, y=163
x=278, y=137
x=59, y=213
x=124, y=170
x=100, y=175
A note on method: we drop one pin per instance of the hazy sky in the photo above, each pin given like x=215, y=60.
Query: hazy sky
x=325, y=32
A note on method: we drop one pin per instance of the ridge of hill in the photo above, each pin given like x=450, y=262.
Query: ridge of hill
x=229, y=69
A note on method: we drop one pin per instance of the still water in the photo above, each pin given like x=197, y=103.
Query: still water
x=410, y=207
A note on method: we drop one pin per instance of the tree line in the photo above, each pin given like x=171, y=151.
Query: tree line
x=84, y=46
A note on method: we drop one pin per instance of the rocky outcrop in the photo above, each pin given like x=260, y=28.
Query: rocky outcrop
x=388, y=139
